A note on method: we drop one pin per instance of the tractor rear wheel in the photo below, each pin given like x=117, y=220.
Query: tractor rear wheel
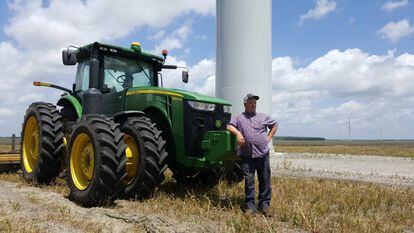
x=42, y=143
x=96, y=161
x=146, y=157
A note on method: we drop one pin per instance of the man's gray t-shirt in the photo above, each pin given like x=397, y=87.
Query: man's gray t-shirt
x=253, y=127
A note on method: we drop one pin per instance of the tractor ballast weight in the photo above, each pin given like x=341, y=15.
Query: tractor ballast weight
x=118, y=129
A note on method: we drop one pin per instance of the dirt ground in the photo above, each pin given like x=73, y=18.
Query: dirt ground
x=375, y=169
x=24, y=208
x=31, y=209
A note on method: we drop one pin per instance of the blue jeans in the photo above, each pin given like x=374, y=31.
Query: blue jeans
x=262, y=166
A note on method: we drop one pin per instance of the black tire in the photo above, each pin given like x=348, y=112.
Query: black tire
x=48, y=145
x=206, y=178
x=109, y=161
x=152, y=159
x=234, y=172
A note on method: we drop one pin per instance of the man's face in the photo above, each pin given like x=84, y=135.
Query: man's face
x=250, y=105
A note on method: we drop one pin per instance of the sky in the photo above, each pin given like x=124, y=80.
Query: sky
x=333, y=61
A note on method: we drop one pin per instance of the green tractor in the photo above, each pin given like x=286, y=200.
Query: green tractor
x=118, y=129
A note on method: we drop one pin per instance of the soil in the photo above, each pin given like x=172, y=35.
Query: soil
x=31, y=209
x=375, y=169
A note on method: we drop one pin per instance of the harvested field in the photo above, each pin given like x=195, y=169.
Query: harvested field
x=300, y=205
x=311, y=193
x=403, y=148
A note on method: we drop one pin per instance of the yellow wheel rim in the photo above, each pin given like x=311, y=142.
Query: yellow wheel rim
x=31, y=143
x=132, y=155
x=82, y=161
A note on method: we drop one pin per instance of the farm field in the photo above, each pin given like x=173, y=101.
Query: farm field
x=397, y=148
x=300, y=204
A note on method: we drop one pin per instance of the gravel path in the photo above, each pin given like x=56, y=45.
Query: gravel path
x=377, y=169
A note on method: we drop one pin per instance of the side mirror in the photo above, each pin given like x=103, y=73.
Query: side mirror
x=185, y=76
x=69, y=57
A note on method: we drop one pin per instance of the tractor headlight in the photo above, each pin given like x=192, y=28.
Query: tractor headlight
x=202, y=106
x=227, y=108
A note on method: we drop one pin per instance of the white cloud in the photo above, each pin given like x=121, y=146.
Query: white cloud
x=201, y=76
x=40, y=31
x=394, y=31
x=322, y=8
x=158, y=35
x=371, y=90
x=176, y=39
x=79, y=22
x=314, y=100
x=392, y=5
x=5, y=112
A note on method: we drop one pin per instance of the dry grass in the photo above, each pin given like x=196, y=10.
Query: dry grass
x=381, y=148
x=310, y=204
x=385, y=148
x=5, y=148
x=5, y=144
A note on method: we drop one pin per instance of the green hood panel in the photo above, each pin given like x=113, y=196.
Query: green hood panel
x=187, y=95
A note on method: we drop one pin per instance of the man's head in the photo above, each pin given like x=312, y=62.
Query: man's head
x=250, y=103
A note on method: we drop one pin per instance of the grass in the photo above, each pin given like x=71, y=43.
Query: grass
x=397, y=148
x=5, y=144
x=381, y=148
x=314, y=205
x=311, y=204
x=403, y=148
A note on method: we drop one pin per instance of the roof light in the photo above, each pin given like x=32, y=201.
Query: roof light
x=164, y=53
x=136, y=46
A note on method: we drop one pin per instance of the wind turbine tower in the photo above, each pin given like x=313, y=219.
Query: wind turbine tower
x=244, y=52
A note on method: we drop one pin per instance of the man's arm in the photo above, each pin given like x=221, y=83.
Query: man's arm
x=234, y=131
x=272, y=133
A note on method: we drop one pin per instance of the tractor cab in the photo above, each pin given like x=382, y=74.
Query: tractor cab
x=117, y=69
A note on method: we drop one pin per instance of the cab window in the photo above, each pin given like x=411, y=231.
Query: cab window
x=121, y=73
x=82, y=76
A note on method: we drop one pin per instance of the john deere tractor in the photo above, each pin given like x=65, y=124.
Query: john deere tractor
x=116, y=131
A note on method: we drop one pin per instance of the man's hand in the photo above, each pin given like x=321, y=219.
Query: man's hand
x=234, y=131
x=240, y=139
x=272, y=133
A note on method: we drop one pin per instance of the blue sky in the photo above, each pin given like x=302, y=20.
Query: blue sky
x=333, y=60
x=353, y=25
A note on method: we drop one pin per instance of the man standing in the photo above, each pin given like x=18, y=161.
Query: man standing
x=250, y=128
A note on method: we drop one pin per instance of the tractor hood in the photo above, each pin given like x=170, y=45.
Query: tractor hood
x=187, y=95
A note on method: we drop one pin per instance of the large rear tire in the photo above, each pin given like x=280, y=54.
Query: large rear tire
x=146, y=157
x=96, y=161
x=42, y=143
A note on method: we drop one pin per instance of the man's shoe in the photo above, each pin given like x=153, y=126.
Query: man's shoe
x=250, y=212
x=267, y=212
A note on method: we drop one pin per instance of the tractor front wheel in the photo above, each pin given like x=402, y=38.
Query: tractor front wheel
x=96, y=161
x=146, y=157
